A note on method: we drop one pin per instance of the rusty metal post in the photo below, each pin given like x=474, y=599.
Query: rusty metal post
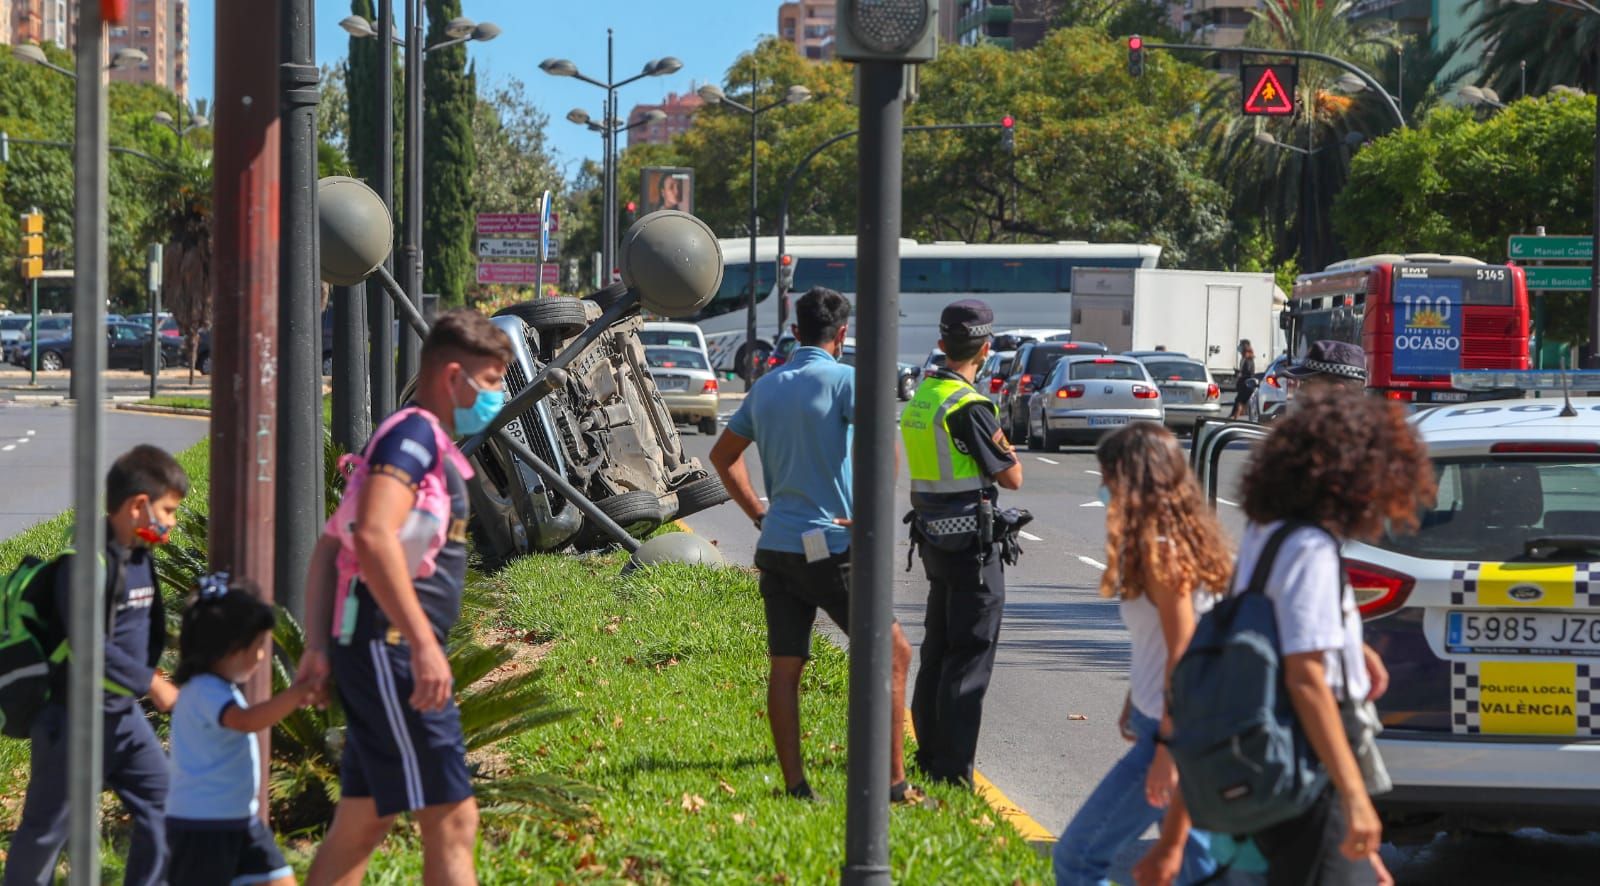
x=244, y=385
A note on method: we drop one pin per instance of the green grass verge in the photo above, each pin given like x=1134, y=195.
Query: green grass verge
x=668, y=672
x=178, y=402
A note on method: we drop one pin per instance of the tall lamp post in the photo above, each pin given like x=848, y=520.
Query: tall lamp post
x=1351, y=139
x=560, y=67
x=458, y=31
x=1591, y=350
x=609, y=130
x=715, y=96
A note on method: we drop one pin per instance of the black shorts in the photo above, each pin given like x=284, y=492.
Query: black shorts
x=402, y=758
x=208, y=853
x=793, y=590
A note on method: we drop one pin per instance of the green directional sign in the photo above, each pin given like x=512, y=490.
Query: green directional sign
x=1544, y=279
x=1529, y=247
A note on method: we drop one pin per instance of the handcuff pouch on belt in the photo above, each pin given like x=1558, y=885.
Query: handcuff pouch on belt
x=974, y=531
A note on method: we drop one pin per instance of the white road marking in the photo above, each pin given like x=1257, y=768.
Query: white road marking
x=31, y=433
x=763, y=498
x=8, y=447
x=1092, y=562
x=23, y=439
x=1029, y=536
x=1231, y=504
x=1091, y=504
x=1092, y=473
x=1048, y=461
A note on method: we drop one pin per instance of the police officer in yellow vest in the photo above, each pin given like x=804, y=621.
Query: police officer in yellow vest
x=958, y=455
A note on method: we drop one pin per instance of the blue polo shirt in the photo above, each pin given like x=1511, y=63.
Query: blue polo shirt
x=800, y=416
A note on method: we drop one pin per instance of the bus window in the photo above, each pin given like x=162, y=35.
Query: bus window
x=1012, y=275
x=734, y=293
x=838, y=274
x=934, y=275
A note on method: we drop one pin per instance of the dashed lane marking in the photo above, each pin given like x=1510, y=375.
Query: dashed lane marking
x=1048, y=461
x=1231, y=504
x=1029, y=536
x=1092, y=473
x=1091, y=504
x=8, y=447
x=1092, y=562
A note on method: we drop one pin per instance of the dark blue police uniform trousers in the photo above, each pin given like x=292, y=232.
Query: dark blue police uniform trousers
x=966, y=597
x=135, y=768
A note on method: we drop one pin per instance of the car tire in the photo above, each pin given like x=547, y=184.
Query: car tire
x=205, y=364
x=1035, y=442
x=1019, y=431
x=908, y=388
x=608, y=296
x=555, y=319
x=708, y=426
x=161, y=363
x=1052, y=442
x=637, y=512
x=50, y=361
x=700, y=495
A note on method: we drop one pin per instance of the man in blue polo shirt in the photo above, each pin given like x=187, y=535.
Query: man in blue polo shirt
x=800, y=417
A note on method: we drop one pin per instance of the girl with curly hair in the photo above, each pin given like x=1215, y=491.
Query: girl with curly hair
x=1340, y=466
x=1164, y=554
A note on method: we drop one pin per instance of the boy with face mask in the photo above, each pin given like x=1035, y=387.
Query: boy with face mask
x=144, y=488
x=404, y=749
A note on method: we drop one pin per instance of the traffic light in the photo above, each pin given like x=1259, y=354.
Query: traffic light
x=1008, y=134
x=786, y=272
x=886, y=30
x=1136, y=56
x=32, y=245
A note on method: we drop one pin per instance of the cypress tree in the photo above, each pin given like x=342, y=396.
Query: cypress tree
x=448, y=158
x=361, y=84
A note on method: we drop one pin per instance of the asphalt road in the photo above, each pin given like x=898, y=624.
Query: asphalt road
x=1049, y=729
x=36, y=455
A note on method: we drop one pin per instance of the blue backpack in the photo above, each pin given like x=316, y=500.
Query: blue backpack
x=1243, y=762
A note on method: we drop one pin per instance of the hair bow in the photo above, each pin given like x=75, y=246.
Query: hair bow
x=213, y=586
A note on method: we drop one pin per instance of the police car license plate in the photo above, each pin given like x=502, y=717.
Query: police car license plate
x=1449, y=396
x=1105, y=421
x=1522, y=633
x=1175, y=394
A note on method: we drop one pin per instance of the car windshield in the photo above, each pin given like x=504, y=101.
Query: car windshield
x=674, y=358
x=13, y=323
x=670, y=338
x=937, y=360
x=1176, y=370
x=1487, y=510
x=1115, y=369
x=1044, y=358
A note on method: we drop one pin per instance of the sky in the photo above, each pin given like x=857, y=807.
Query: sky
x=706, y=35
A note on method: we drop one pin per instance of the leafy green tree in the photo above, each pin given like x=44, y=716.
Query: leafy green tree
x=514, y=166
x=1150, y=19
x=1560, y=46
x=450, y=99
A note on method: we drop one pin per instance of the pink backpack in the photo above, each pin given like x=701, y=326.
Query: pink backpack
x=425, y=530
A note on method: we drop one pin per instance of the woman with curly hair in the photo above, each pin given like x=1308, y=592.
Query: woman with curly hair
x=1341, y=466
x=1164, y=553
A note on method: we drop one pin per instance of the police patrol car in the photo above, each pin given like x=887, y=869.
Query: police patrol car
x=1488, y=617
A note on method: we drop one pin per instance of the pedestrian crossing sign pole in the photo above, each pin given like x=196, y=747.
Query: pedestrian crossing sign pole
x=32, y=266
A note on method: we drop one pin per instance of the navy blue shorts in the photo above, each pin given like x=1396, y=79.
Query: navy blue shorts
x=403, y=759
x=211, y=853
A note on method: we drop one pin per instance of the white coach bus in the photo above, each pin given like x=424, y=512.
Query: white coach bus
x=1026, y=284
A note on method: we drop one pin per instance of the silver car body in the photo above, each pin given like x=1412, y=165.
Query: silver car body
x=1086, y=397
x=1188, y=392
x=1271, y=397
x=991, y=379
x=688, y=386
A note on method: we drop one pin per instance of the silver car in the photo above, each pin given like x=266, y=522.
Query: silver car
x=1271, y=396
x=991, y=379
x=1085, y=397
x=688, y=386
x=1187, y=389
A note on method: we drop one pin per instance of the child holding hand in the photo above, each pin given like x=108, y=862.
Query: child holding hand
x=214, y=832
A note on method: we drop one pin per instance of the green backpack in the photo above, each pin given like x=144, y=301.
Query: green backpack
x=30, y=643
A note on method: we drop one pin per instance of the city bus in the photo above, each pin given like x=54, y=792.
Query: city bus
x=1026, y=284
x=1419, y=317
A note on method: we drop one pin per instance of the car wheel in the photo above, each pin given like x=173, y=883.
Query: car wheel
x=708, y=426
x=555, y=319
x=205, y=364
x=638, y=513
x=608, y=296
x=700, y=495
x=1022, y=430
x=1035, y=441
x=161, y=363
x=50, y=361
x=1052, y=442
x=908, y=388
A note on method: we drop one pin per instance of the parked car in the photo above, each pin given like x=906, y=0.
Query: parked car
x=13, y=330
x=1188, y=392
x=935, y=360
x=1271, y=396
x=127, y=347
x=991, y=378
x=688, y=386
x=1029, y=368
x=908, y=377
x=1084, y=398
x=202, y=357
x=608, y=431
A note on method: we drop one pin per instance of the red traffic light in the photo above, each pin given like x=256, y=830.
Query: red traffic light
x=786, y=260
x=632, y=206
x=1008, y=121
x=1135, y=43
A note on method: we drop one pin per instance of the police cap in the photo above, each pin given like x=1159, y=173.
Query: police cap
x=968, y=318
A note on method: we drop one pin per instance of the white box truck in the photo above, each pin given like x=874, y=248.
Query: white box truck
x=1203, y=314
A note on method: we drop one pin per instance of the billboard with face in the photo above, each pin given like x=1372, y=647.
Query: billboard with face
x=666, y=187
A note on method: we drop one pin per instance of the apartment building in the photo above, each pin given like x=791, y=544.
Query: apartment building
x=808, y=24
x=680, y=110
x=158, y=28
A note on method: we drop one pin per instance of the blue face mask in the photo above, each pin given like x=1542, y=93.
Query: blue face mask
x=1104, y=494
x=472, y=419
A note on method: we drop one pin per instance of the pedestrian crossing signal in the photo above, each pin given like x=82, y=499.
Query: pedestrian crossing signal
x=1269, y=89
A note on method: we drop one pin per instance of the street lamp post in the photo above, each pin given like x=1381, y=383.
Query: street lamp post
x=1591, y=351
x=560, y=67
x=715, y=96
x=1351, y=139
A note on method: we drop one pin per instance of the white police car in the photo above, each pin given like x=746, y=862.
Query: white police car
x=1488, y=617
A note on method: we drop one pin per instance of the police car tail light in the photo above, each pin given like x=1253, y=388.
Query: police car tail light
x=1378, y=591
x=710, y=387
x=1070, y=392
x=996, y=385
x=1399, y=395
x=1145, y=392
x=1546, y=448
x=1213, y=392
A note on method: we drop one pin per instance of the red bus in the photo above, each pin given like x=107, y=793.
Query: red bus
x=1418, y=317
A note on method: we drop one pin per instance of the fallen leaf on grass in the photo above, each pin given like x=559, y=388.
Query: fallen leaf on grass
x=1077, y=716
x=616, y=722
x=739, y=818
x=726, y=788
x=984, y=821
x=693, y=803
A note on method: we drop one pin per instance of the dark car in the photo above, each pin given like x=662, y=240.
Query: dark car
x=1028, y=371
x=202, y=357
x=127, y=347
